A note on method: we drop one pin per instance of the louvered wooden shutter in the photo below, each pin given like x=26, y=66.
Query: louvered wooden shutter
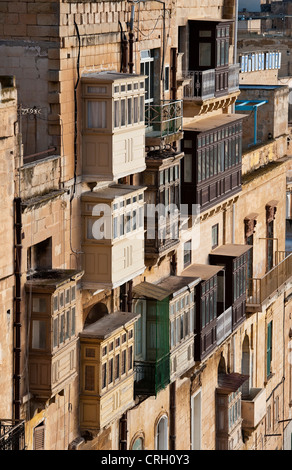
x=39, y=438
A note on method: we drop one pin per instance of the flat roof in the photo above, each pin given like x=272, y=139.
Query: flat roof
x=112, y=192
x=52, y=278
x=108, y=325
x=212, y=122
x=260, y=87
x=231, y=249
x=202, y=271
x=110, y=76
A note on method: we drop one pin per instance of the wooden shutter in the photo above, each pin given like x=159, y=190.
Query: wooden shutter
x=39, y=437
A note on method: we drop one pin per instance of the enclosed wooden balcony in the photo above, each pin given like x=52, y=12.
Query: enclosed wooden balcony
x=107, y=372
x=263, y=288
x=113, y=235
x=51, y=300
x=164, y=346
x=113, y=137
x=253, y=408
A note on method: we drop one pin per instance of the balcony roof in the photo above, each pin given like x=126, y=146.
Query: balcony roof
x=231, y=249
x=108, y=325
x=171, y=286
x=113, y=192
x=202, y=271
x=109, y=76
x=212, y=122
x=51, y=279
x=231, y=382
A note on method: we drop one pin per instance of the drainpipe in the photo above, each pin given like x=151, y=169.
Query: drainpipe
x=123, y=432
x=172, y=424
x=131, y=41
x=130, y=296
x=17, y=305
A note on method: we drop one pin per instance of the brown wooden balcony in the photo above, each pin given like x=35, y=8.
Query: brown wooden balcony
x=12, y=435
x=260, y=289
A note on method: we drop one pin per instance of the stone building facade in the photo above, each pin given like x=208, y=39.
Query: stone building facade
x=139, y=332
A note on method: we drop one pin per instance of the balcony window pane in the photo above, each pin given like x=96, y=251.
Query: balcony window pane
x=67, y=329
x=55, y=332
x=188, y=168
x=116, y=229
x=130, y=358
x=136, y=109
x=72, y=321
x=89, y=378
x=117, y=366
x=110, y=371
x=117, y=113
x=39, y=304
x=124, y=363
x=123, y=112
x=129, y=110
x=205, y=49
x=103, y=376
x=38, y=334
x=61, y=330
x=142, y=108
x=96, y=114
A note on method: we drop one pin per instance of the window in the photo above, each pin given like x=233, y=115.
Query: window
x=162, y=434
x=39, y=437
x=39, y=332
x=187, y=253
x=166, y=78
x=215, y=230
x=147, y=68
x=96, y=114
x=188, y=168
x=269, y=348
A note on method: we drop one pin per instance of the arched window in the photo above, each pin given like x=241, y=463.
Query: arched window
x=138, y=444
x=96, y=312
x=162, y=434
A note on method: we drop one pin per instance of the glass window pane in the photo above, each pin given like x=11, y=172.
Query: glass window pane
x=96, y=114
x=38, y=334
x=188, y=168
x=205, y=49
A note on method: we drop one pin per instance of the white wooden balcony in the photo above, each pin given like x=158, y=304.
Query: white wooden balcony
x=253, y=407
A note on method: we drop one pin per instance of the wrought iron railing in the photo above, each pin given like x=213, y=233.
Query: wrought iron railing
x=259, y=289
x=150, y=377
x=224, y=325
x=202, y=84
x=163, y=119
x=12, y=435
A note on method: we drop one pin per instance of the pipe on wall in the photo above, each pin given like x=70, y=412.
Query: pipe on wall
x=17, y=306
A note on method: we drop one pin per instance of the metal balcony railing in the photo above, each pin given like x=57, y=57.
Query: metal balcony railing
x=202, y=84
x=259, y=289
x=12, y=435
x=224, y=325
x=163, y=119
